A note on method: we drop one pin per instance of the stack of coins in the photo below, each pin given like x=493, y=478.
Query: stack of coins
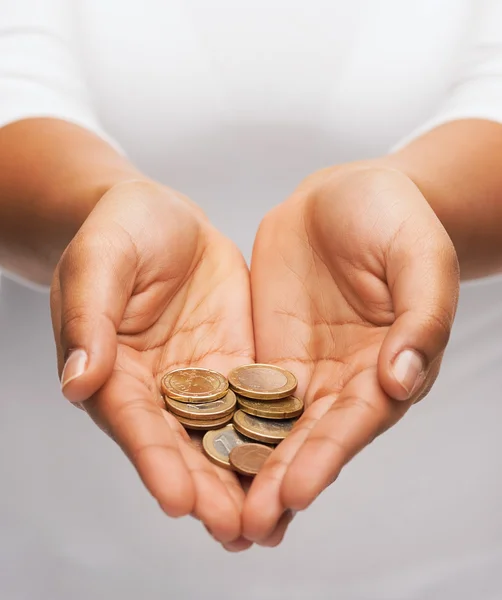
x=240, y=439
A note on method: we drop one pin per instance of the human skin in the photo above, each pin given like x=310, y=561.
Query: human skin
x=358, y=266
x=145, y=284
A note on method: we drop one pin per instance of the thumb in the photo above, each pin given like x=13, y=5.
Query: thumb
x=423, y=278
x=90, y=290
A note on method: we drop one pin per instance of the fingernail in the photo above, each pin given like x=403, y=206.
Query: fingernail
x=75, y=366
x=408, y=370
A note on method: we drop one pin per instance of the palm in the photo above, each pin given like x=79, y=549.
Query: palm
x=322, y=308
x=187, y=303
x=321, y=333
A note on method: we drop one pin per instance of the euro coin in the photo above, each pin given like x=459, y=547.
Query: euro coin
x=248, y=459
x=278, y=409
x=219, y=443
x=262, y=430
x=262, y=382
x=194, y=385
x=205, y=425
x=203, y=411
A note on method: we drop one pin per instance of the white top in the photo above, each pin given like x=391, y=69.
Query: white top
x=233, y=103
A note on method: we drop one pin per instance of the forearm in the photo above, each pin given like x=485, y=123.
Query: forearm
x=458, y=168
x=52, y=173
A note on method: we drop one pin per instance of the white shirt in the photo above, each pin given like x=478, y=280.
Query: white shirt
x=233, y=103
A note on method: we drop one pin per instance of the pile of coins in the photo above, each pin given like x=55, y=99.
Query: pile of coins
x=243, y=416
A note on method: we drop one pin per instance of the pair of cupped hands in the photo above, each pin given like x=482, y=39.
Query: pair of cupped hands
x=353, y=287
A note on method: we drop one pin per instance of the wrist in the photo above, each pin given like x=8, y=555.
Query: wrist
x=455, y=196
x=52, y=174
x=35, y=230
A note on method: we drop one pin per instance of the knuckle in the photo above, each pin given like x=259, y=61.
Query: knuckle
x=270, y=218
x=305, y=424
x=55, y=293
x=83, y=246
x=274, y=469
x=439, y=324
x=93, y=247
x=358, y=402
x=437, y=246
x=338, y=446
x=73, y=320
x=144, y=451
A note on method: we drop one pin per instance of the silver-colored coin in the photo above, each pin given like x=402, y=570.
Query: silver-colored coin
x=203, y=410
x=263, y=430
x=219, y=443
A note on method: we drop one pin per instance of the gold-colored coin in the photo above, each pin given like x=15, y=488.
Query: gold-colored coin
x=219, y=443
x=262, y=382
x=262, y=430
x=248, y=459
x=203, y=411
x=278, y=409
x=205, y=425
x=194, y=384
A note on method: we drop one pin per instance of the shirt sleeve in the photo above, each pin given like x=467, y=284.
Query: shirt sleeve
x=476, y=92
x=39, y=72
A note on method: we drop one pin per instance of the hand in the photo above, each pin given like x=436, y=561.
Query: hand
x=354, y=287
x=148, y=285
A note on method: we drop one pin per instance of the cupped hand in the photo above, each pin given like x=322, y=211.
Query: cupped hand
x=354, y=287
x=148, y=285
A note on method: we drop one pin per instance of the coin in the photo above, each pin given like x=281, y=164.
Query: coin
x=194, y=385
x=219, y=443
x=248, y=459
x=203, y=411
x=205, y=425
x=262, y=430
x=262, y=382
x=278, y=409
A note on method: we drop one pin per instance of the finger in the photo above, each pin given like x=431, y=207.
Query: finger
x=214, y=503
x=276, y=537
x=126, y=410
x=264, y=506
x=239, y=486
x=360, y=413
x=282, y=312
x=93, y=284
x=238, y=545
x=219, y=495
x=423, y=279
x=233, y=484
